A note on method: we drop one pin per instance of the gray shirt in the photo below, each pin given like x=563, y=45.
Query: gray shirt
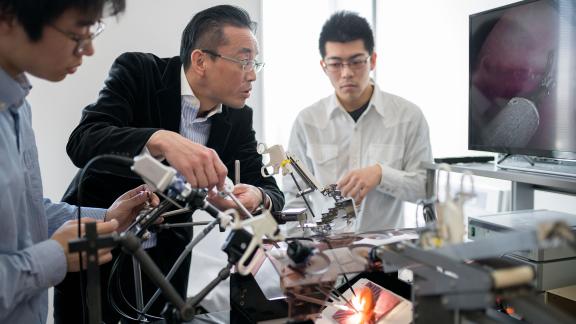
x=30, y=262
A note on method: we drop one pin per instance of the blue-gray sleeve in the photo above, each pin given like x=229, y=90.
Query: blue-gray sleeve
x=58, y=213
x=28, y=272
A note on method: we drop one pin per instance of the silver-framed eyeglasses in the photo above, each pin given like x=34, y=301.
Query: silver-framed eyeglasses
x=247, y=65
x=354, y=64
x=83, y=40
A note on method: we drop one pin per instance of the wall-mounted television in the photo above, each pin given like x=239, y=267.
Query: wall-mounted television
x=522, y=63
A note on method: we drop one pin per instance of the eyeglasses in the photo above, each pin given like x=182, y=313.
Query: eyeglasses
x=83, y=40
x=354, y=64
x=247, y=65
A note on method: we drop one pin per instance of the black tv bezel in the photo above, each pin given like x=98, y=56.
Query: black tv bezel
x=554, y=154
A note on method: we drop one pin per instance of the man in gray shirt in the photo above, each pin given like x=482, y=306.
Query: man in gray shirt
x=47, y=39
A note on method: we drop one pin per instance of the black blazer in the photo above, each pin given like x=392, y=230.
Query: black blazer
x=142, y=95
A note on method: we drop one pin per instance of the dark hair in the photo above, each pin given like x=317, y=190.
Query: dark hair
x=204, y=31
x=343, y=27
x=33, y=15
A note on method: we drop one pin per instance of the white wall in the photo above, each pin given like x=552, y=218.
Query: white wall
x=148, y=26
x=293, y=76
x=423, y=56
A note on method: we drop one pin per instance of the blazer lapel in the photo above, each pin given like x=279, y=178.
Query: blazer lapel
x=220, y=132
x=169, y=99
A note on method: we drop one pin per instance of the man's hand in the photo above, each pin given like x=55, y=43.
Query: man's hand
x=69, y=231
x=127, y=206
x=200, y=165
x=248, y=195
x=358, y=183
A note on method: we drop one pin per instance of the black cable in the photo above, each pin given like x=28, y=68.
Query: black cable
x=127, y=303
x=324, y=239
x=156, y=212
x=111, y=298
x=111, y=157
x=118, y=264
x=118, y=267
x=116, y=270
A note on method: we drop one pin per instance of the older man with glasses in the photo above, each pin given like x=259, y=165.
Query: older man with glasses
x=191, y=112
x=369, y=142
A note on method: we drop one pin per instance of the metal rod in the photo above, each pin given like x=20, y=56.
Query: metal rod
x=239, y=204
x=189, y=224
x=236, y=172
x=318, y=301
x=310, y=299
x=330, y=294
x=131, y=244
x=303, y=196
x=334, y=254
x=182, y=257
x=223, y=274
x=176, y=212
x=337, y=292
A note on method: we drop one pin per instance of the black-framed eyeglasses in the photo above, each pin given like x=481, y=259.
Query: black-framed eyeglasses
x=83, y=40
x=353, y=64
x=247, y=65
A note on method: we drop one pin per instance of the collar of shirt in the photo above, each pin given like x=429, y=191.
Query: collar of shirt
x=188, y=95
x=376, y=103
x=13, y=91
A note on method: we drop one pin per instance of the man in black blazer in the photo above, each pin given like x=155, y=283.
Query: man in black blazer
x=189, y=110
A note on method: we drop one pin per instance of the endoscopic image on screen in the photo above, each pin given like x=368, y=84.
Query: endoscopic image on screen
x=523, y=79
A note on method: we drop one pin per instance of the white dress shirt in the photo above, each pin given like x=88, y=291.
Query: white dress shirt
x=392, y=132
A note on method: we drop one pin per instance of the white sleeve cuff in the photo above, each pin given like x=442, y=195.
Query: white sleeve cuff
x=391, y=180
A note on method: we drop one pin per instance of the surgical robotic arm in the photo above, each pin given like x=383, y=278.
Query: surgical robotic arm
x=288, y=163
x=161, y=177
x=245, y=238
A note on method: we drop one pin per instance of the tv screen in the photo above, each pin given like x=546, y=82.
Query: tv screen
x=522, y=97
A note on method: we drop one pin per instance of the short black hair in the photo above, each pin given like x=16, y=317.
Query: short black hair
x=33, y=15
x=344, y=27
x=204, y=31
